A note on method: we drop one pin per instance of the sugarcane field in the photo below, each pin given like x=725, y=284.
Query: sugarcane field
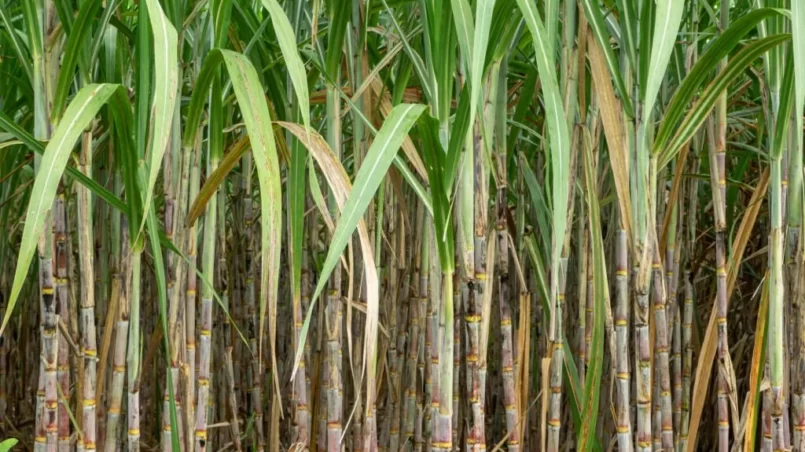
x=402, y=225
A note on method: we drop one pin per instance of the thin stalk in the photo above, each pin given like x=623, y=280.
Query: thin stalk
x=776, y=331
x=62, y=287
x=208, y=267
x=718, y=176
x=418, y=287
x=191, y=372
x=334, y=304
x=672, y=308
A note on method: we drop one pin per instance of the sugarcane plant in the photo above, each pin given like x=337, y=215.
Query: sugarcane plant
x=402, y=225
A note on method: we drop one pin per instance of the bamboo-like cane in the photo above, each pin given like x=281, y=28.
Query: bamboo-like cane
x=89, y=348
x=557, y=361
x=623, y=407
x=121, y=341
x=662, y=348
x=62, y=288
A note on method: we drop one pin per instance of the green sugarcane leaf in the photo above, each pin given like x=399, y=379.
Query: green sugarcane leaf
x=484, y=10
x=79, y=115
x=222, y=15
x=537, y=196
x=668, y=17
x=8, y=444
x=628, y=24
x=339, y=13
x=558, y=134
x=780, y=139
x=465, y=28
x=293, y=62
x=703, y=69
x=76, y=42
x=23, y=58
x=166, y=86
x=435, y=162
x=704, y=105
x=598, y=25
x=457, y=139
x=255, y=113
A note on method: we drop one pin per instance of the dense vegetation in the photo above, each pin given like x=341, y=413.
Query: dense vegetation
x=402, y=225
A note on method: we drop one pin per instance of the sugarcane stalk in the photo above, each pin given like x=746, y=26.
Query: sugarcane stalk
x=442, y=439
x=399, y=280
x=190, y=306
x=89, y=348
x=121, y=342
x=557, y=361
x=61, y=286
x=42, y=21
x=133, y=353
x=672, y=308
x=661, y=346
x=623, y=376
x=418, y=287
x=229, y=373
x=776, y=331
x=208, y=267
x=476, y=437
x=432, y=400
x=718, y=181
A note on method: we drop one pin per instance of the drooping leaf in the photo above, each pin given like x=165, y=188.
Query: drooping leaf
x=293, y=62
x=77, y=117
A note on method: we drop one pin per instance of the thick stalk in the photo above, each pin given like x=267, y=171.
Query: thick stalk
x=89, y=348
x=557, y=362
x=333, y=322
x=133, y=358
x=476, y=375
x=121, y=341
x=643, y=358
x=42, y=21
x=623, y=407
x=442, y=439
